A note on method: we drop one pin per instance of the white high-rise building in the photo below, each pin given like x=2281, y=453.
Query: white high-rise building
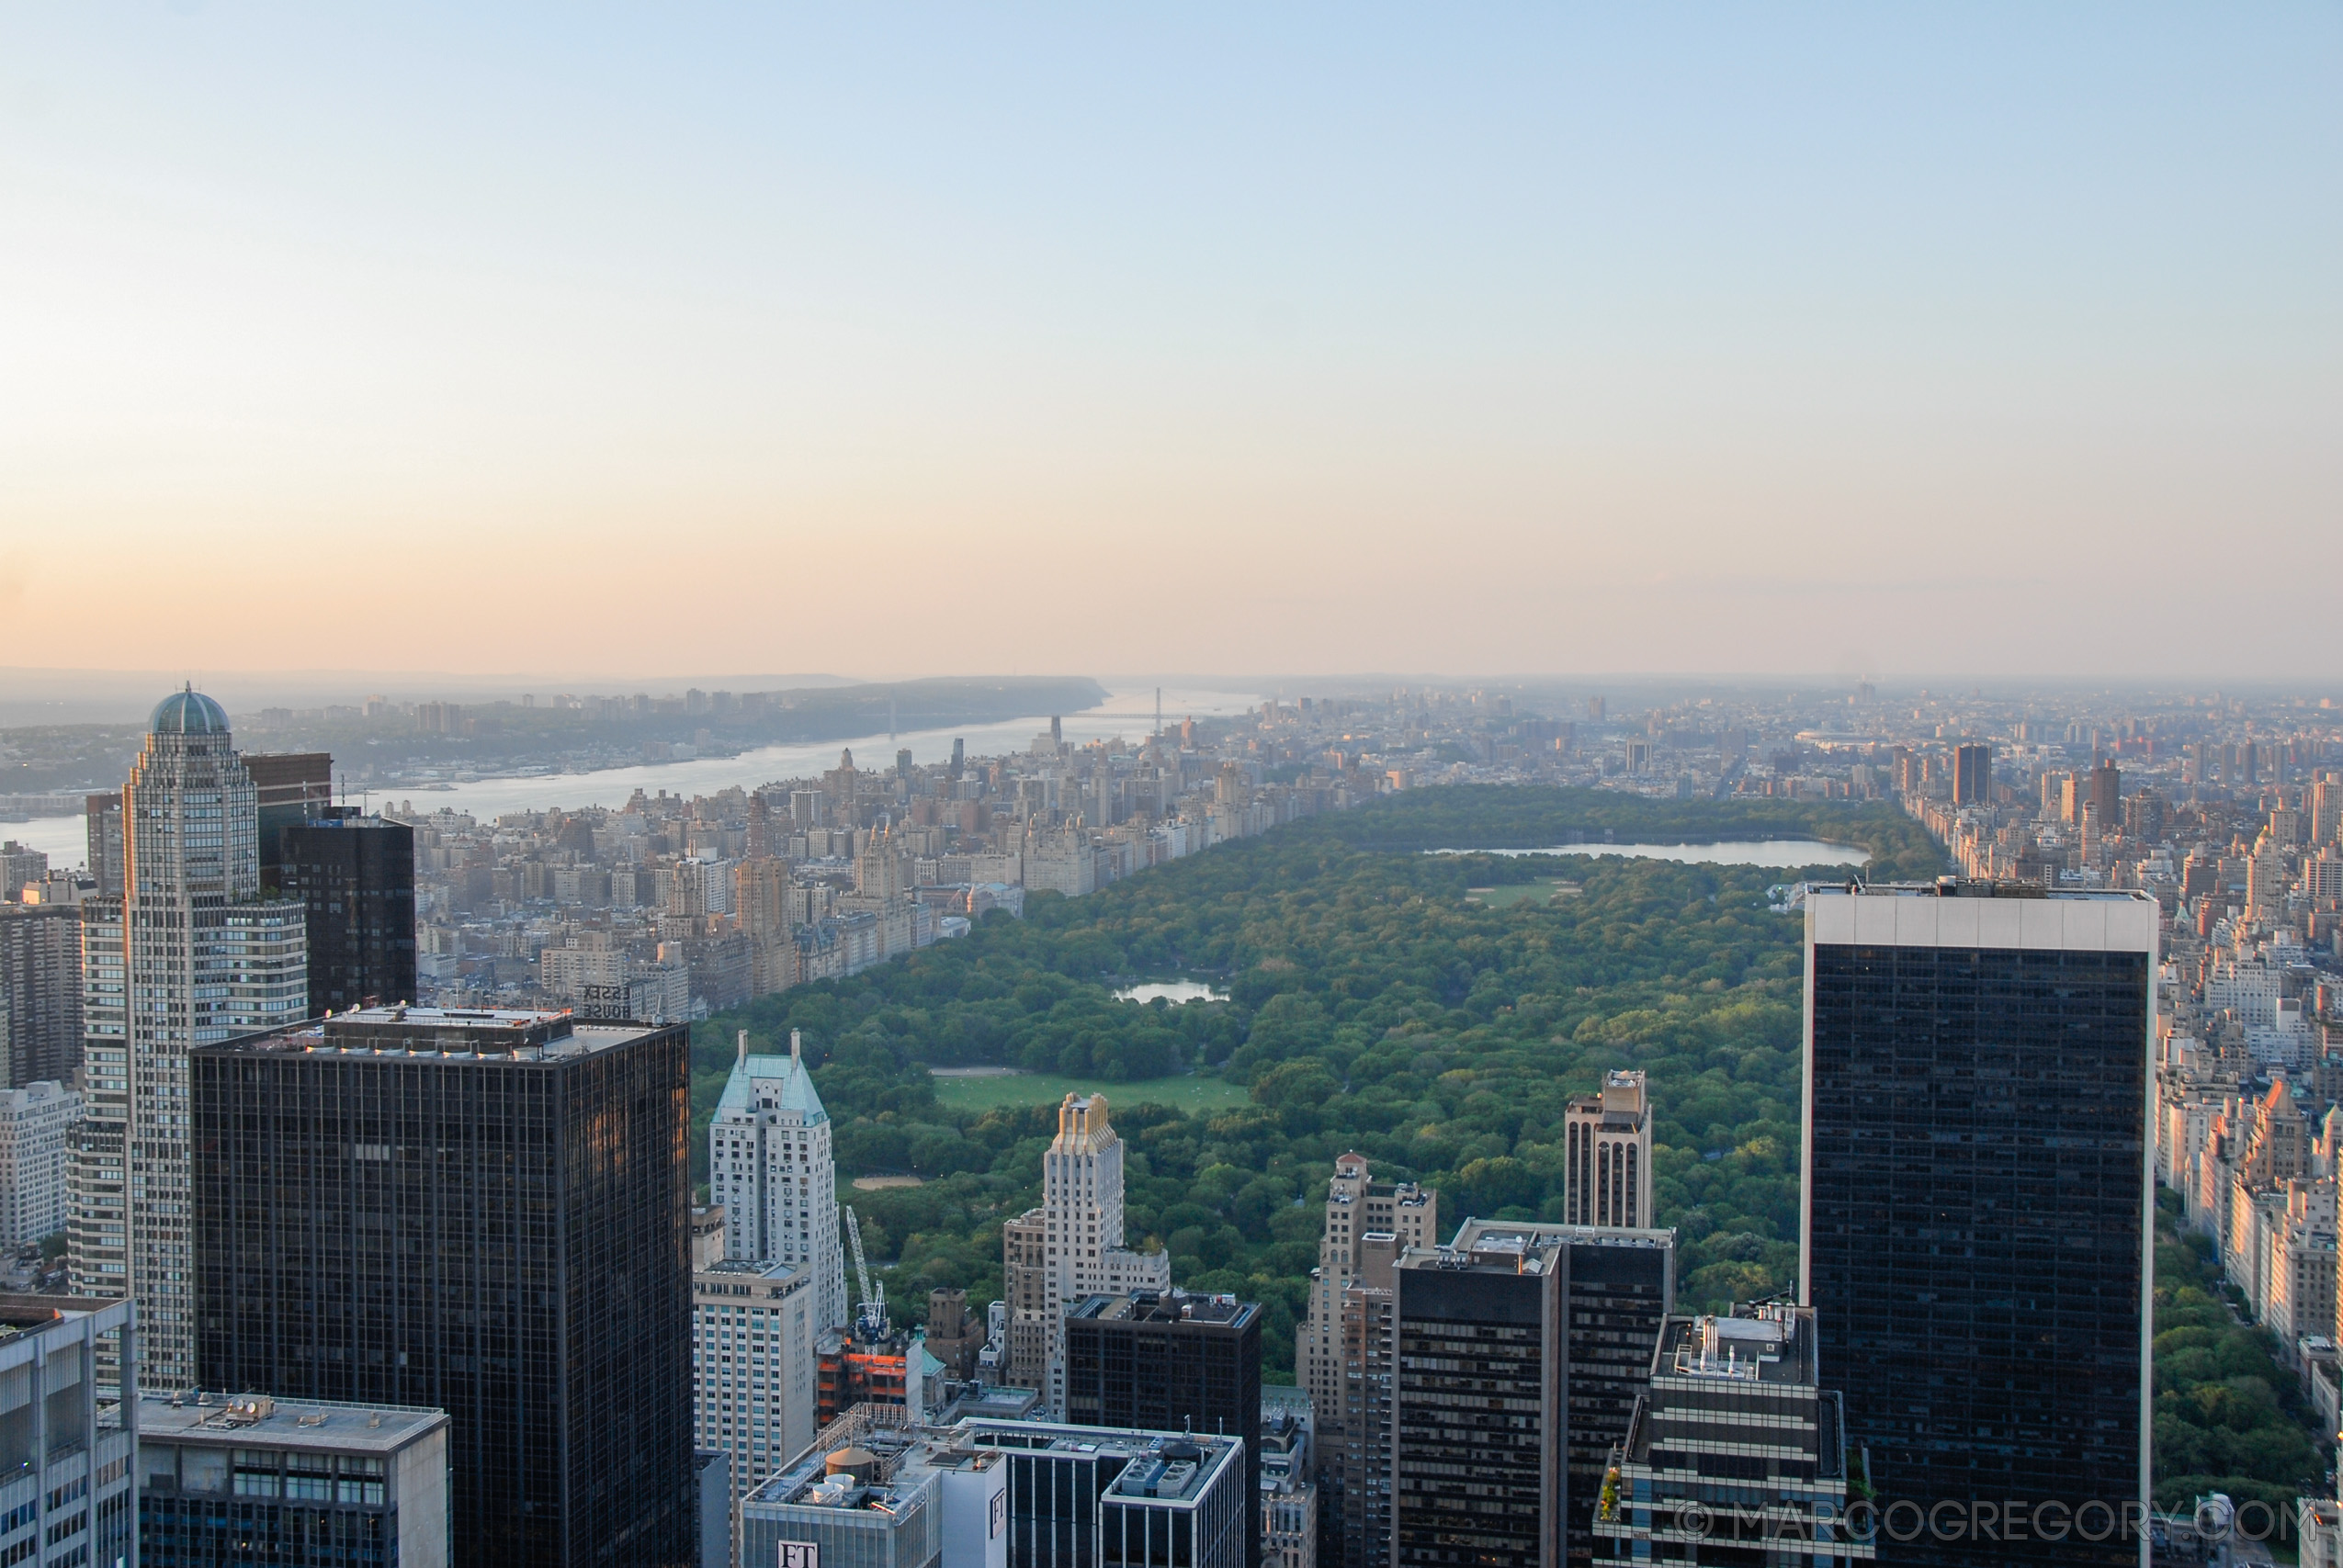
x=769, y=1164
x=1082, y=1219
x=189, y=955
x=36, y=1122
x=754, y=1365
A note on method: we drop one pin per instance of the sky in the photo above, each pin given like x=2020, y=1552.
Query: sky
x=899, y=340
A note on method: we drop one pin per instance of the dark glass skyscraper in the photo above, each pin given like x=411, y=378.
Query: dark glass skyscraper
x=356, y=876
x=1169, y=1362
x=480, y=1211
x=1976, y=1234
x=1522, y=1350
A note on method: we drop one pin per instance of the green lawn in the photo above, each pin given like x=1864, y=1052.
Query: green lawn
x=1189, y=1094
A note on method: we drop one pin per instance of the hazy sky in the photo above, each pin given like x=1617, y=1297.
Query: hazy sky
x=891, y=339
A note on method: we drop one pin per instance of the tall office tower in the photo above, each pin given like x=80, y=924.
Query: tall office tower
x=769, y=1164
x=485, y=1212
x=1975, y=1244
x=1025, y=1281
x=1614, y=1289
x=753, y=1356
x=2327, y=808
x=1082, y=1252
x=1169, y=1361
x=1362, y=1470
x=1481, y=1423
x=36, y=1128
x=1606, y=1168
x=1355, y=1208
x=40, y=993
x=20, y=865
x=190, y=954
x=355, y=879
x=2105, y=784
x=102, y=819
x=289, y=789
x=1737, y=1454
x=361, y=1485
x=1972, y=775
x=61, y=1450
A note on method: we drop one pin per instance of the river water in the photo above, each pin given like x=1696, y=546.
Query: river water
x=1129, y=713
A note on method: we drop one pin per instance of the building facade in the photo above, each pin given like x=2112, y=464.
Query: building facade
x=1081, y=1242
x=1613, y=1289
x=769, y=1164
x=35, y=1136
x=67, y=1496
x=481, y=1212
x=1478, y=1467
x=1607, y=1177
x=753, y=1364
x=1978, y=1160
x=190, y=954
x=40, y=993
x=1734, y=1454
x=1326, y=1349
x=233, y=1479
x=1169, y=1362
x=355, y=877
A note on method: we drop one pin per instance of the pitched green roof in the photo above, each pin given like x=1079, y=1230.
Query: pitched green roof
x=796, y=1091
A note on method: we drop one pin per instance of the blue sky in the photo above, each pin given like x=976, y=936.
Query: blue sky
x=1483, y=339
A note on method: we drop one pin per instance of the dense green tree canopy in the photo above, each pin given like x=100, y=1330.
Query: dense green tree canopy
x=1372, y=1007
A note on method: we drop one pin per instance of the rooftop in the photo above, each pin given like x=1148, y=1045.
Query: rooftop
x=864, y=1461
x=1167, y=1306
x=1757, y=1344
x=257, y=1420
x=1970, y=887
x=1514, y=1235
x=523, y=1034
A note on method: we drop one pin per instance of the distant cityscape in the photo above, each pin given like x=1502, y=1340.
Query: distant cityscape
x=344, y=1160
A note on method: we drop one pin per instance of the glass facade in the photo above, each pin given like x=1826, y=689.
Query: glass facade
x=356, y=880
x=503, y=1236
x=1977, y=1202
x=1168, y=1363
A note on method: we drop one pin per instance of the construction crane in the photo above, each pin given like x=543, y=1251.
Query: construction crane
x=870, y=1319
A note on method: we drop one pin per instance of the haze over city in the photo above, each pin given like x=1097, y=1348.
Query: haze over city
x=941, y=787
x=1647, y=338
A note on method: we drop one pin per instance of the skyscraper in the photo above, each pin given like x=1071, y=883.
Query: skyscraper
x=1169, y=1362
x=1080, y=1219
x=479, y=1212
x=1362, y=1474
x=289, y=789
x=1736, y=1455
x=1606, y=1170
x=1976, y=1238
x=1480, y=1417
x=769, y=1164
x=1326, y=1351
x=355, y=879
x=1972, y=775
x=190, y=954
x=1613, y=1290
x=1355, y=1205
x=753, y=1347
x=40, y=993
